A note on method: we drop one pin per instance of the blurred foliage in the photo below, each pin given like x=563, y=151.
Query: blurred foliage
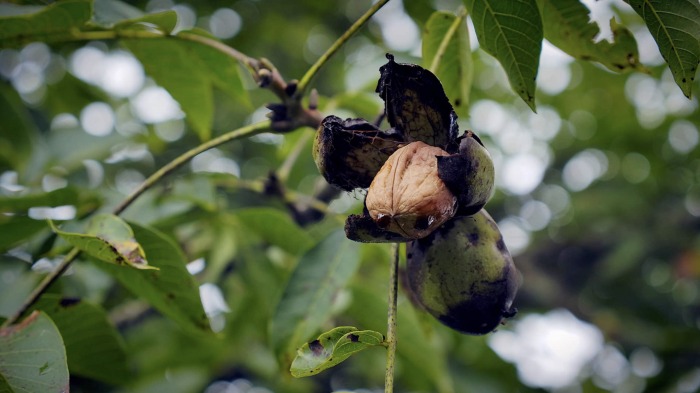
x=610, y=228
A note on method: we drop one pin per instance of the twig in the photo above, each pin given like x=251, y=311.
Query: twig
x=391, y=321
x=246, y=131
x=249, y=130
x=303, y=84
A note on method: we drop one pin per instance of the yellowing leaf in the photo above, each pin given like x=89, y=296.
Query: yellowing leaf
x=108, y=239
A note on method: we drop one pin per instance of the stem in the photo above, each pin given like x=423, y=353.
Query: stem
x=286, y=168
x=249, y=130
x=311, y=72
x=391, y=321
x=246, y=131
x=440, y=53
x=43, y=285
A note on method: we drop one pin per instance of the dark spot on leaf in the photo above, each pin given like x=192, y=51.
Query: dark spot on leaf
x=170, y=295
x=354, y=338
x=458, y=102
x=473, y=238
x=68, y=301
x=501, y=245
x=43, y=368
x=316, y=347
x=683, y=80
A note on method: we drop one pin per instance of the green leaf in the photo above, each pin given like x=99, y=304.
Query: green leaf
x=56, y=18
x=331, y=348
x=675, y=26
x=189, y=71
x=60, y=197
x=32, y=356
x=511, y=31
x=171, y=290
x=416, y=349
x=117, y=15
x=17, y=130
x=169, y=64
x=447, y=53
x=275, y=227
x=306, y=302
x=164, y=21
x=567, y=25
x=108, y=239
x=17, y=229
x=94, y=348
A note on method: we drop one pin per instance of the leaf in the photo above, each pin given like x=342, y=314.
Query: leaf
x=56, y=18
x=511, y=31
x=416, y=104
x=17, y=130
x=306, y=301
x=94, y=348
x=118, y=15
x=108, y=239
x=171, y=290
x=331, y=348
x=275, y=227
x=675, y=26
x=60, y=197
x=164, y=21
x=169, y=64
x=17, y=229
x=32, y=356
x=188, y=71
x=447, y=53
x=567, y=25
x=415, y=350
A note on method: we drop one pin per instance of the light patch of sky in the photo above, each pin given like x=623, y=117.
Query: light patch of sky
x=521, y=174
x=51, y=182
x=197, y=266
x=62, y=213
x=214, y=161
x=554, y=73
x=97, y=119
x=127, y=180
x=154, y=105
x=549, y=350
x=683, y=136
x=611, y=368
x=515, y=236
x=122, y=75
x=214, y=305
x=186, y=17
x=225, y=23
x=584, y=168
x=399, y=31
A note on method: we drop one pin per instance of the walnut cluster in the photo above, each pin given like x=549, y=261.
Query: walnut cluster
x=419, y=173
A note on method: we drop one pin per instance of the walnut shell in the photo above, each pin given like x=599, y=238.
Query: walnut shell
x=407, y=196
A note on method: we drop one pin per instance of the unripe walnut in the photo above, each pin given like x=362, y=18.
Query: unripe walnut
x=407, y=196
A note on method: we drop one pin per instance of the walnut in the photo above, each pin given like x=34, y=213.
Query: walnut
x=407, y=196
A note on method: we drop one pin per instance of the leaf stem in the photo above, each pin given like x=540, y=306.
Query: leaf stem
x=391, y=321
x=440, y=53
x=303, y=84
x=43, y=285
x=242, y=132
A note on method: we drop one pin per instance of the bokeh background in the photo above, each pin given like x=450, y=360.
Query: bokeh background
x=598, y=200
